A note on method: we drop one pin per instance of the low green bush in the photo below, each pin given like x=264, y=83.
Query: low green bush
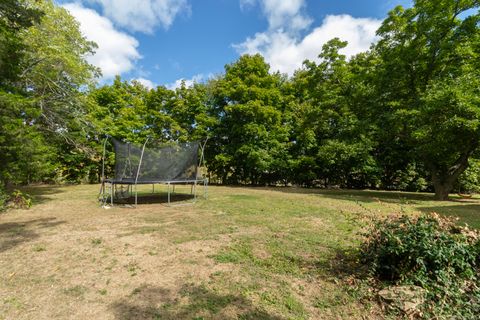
x=3, y=199
x=433, y=253
x=469, y=180
x=19, y=200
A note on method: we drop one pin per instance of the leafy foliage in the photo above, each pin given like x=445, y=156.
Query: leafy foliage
x=16, y=199
x=3, y=198
x=430, y=252
x=19, y=200
x=469, y=181
x=14, y=16
x=41, y=91
x=403, y=115
x=427, y=82
x=251, y=133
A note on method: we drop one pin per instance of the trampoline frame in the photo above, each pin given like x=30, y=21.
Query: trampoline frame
x=108, y=186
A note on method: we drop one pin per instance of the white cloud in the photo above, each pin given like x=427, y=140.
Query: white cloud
x=286, y=52
x=247, y=3
x=116, y=52
x=143, y=15
x=188, y=82
x=146, y=83
x=285, y=15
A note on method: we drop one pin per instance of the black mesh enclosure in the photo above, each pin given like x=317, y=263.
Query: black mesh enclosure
x=159, y=164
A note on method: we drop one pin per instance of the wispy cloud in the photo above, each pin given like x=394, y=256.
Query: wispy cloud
x=143, y=15
x=288, y=16
x=146, y=83
x=285, y=50
x=189, y=82
x=117, y=51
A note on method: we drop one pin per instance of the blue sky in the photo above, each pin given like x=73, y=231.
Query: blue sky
x=160, y=42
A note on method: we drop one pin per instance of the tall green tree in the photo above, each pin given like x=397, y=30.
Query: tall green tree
x=56, y=76
x=128, y=110
x=119, y=110
x=42, y=84
x=428, y=80
x=396, y=166
x=251, y=137
x=22, y=147
x=331, y=144
x=15, y=16
x=192, y=110
x=55, y=72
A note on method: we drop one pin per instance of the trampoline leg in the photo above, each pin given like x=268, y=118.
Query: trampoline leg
x=111, y=193
x=195, y=191
x=101, y=194
x=205, y=188
x=136, y=195
x=102, y=189
x=168, y=193
x=153, y=188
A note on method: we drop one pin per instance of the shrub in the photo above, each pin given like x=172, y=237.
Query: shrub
x=3, y=199
x=19, y=200
x=469, y=180
x=430, y=252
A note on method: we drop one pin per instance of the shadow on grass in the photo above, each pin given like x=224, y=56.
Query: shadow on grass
x=159, y=198
x=42, y=193
x=190, y=302
x=13, y=234
x=360, y=195
x=343, y=264
x=468, y=213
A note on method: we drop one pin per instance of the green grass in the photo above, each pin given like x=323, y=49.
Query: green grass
x=96, y=241
x=13, y=302
x=299, y=234
x=245, y=253
x=39, y=248
x=77, y=291
x=132, y=268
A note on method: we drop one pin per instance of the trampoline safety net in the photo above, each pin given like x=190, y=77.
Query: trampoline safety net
x=166, y=163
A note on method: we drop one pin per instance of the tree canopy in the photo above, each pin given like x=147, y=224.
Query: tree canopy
x=429, y=80
x=404, y=115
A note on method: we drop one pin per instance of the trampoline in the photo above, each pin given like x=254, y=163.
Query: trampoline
x=167, y=164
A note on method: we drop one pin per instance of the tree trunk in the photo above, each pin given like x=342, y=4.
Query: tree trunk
x=442, y=190
x=443, y=181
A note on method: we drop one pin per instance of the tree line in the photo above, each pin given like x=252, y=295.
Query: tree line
x=405, y=115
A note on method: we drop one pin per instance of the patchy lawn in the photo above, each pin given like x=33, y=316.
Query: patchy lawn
x=245, y=253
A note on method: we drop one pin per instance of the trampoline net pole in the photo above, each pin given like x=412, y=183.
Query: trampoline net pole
x=202, y=158
x=138, y=171
x=101, y=193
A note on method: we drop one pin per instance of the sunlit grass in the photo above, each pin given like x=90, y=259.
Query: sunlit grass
x=247, y=253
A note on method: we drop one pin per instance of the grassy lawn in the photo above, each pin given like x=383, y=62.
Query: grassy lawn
x=245, y=253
